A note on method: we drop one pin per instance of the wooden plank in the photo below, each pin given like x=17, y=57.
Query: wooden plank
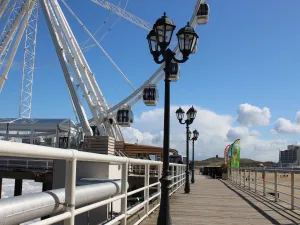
x=215, y=202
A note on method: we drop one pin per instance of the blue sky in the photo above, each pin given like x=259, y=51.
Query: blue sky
x=248, y=53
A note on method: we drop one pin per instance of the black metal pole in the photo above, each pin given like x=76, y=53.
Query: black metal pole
x=164, y=217
x=187, y=179
x=193, y=165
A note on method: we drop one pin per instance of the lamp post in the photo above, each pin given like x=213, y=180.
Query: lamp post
x=194, y=138
x=159, y=39
x=191, y=115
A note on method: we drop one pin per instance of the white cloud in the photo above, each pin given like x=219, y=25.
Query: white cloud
x=254, y=133
x=216, y=131
x=298, y=117
x=285, y=126
x=249, y=115
x=240, y=133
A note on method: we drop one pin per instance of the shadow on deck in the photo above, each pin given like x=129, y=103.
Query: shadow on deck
x=215, y=202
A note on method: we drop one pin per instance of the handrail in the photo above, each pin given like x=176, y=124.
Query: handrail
x=71, y=156
x=238, y=177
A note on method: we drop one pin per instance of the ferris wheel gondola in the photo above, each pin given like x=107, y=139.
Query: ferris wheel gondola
x=203, y=13
x=125, y=116
x=151, y=95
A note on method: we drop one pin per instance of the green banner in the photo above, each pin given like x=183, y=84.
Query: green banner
x=235, y=154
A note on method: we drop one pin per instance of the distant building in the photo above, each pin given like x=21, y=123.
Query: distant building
x=290, y=157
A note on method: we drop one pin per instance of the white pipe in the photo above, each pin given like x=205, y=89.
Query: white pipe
x=11, y=57
x=24, y=208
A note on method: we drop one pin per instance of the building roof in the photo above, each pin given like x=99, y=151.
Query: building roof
x=19, y=124
x=136, y=147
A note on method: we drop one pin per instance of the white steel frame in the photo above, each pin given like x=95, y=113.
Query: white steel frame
x=72, y=156
x=75, y=66
x=124, y=14
x=28, y=63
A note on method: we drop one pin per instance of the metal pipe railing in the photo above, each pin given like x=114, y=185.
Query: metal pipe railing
x=71, y=156
x=267, y=185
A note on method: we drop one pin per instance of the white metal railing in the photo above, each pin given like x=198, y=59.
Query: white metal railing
x=72, y=156
x=26, y=164
x=280, y=184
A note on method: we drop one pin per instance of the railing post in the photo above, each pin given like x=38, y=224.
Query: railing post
x=292, y=190
x=244, y=178
x=181, y=177
x=255, y=181
x=264, y=182
x=70, y=190
x=146, y=192
x=275, y=185
x=234, y=175
x=158, y=179
x=240, y=174
x=124, y=191
x=177, y=176
x=172, y=177
x=249, y=178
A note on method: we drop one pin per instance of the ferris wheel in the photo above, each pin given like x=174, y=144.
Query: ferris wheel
x=20, y=18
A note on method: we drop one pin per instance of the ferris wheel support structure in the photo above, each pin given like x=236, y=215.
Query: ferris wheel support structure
x=13, y=28
x=7, y=25
x=3, y=6
x=72, y=59
x=65, y=48
x=103, y=117
x=28, y=63
x=28, y=9
x=64, y=65
x=96, y=106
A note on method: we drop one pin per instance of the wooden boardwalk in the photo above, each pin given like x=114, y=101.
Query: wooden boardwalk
x=215, y=202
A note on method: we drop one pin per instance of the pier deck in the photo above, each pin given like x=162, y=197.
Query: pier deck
x=215, y=202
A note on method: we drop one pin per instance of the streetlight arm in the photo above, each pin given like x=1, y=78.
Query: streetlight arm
x=180, y=121
x=156, y=59
x=183, y=60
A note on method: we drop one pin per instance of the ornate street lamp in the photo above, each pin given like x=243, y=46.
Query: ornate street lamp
x=191, y=115
x=194, y=138
x=159, y=39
